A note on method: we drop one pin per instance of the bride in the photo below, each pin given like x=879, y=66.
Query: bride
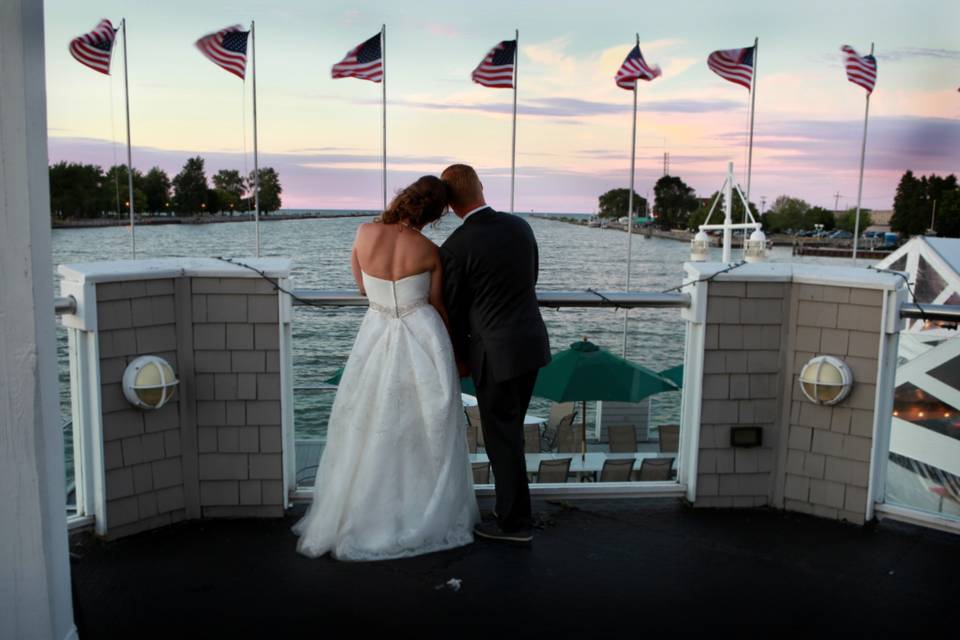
x=395, y=477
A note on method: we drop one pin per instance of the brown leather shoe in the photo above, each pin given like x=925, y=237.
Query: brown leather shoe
x=492, y=531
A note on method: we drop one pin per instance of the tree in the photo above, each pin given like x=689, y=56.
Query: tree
x=848, y=219
x=947, y=222
x=787, y=214
x=229, y=189
x=270, y=189
x=117, y=190
x=614, y=203
x=699, y=216
x=76, y=190
x=825, y=217
x=909, y=217
x=156, y=188
x=673, y=202
x=190, y=187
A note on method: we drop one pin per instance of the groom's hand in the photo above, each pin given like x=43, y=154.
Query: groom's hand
x=463, y=369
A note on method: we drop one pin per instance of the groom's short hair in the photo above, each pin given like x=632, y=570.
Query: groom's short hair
x=463, y=184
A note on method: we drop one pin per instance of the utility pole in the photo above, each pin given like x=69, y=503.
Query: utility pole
x=836, y=203
x=763, y=204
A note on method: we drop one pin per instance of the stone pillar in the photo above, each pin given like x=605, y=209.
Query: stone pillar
x=35, y=597
x=751, y=332
x=217, y=449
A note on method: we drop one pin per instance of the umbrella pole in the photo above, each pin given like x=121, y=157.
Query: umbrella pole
x=583, y=434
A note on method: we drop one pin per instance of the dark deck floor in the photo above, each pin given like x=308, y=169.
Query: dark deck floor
x=646, y=564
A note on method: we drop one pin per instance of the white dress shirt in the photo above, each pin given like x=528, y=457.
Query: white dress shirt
x=470, y=213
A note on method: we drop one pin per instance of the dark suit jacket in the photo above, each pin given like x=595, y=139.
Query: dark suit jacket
x=490, y=267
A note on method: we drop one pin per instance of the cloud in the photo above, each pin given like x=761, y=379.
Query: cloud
x=442, y=30
x=563, y=107
x=906, y=53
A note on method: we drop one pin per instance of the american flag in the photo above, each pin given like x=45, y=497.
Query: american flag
x=635, y=68
x=365, y=61
x=735, y=65
x=861, y=70
x=93, y=49
x=496, y=70
x=227, y=48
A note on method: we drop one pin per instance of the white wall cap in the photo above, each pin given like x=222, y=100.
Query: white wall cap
x=156, y=268
x=827, y=275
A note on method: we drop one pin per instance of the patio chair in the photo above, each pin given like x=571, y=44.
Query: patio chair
x=473, y=419
x=617, y=470
x=472, y=434
x=669, y=435
x=623, y=438
x=554, y=470
x=481, y=473
x=559, y=410
x=569, y=436
x=531, y=438
x=655, y=469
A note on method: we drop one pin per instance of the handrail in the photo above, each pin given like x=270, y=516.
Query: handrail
x=550, y=299
x=912, y=310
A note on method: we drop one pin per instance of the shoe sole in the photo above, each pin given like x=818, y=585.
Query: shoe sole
x=505, y=538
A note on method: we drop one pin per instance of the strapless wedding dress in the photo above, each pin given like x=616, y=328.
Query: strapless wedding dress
x=395, y=478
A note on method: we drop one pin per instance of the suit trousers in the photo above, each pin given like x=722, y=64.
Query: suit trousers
x=503, y=406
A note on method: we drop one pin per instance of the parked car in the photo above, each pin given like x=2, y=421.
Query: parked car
x=840, y=234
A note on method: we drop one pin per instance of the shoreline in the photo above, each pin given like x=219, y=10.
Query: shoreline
x=90, y=223
x=800, y=248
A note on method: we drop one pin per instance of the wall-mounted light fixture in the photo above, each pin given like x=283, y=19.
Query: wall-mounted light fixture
x=699, y=247
x=149, y=382
x=826, y=380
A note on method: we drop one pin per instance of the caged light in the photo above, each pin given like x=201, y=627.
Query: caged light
x=826, y=380
x=755, y=249
x=699, y=247
x=149, y=382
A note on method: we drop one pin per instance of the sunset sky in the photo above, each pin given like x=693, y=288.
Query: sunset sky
x=323, y=135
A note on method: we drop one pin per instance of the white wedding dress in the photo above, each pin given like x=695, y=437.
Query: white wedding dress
x=395, y=478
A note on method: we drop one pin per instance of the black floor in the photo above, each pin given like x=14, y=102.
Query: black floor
x=640, y=565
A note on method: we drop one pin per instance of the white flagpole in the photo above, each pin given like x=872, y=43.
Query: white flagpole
x=126, y=94
x=383, y=60
x=513, y=145
x=753, y=102
x=256, y=159
x=863, y=151
x=633, y=158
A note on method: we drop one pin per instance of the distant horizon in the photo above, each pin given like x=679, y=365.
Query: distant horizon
x=573, y=139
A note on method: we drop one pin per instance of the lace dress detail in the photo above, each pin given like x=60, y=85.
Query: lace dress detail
x=395, y=478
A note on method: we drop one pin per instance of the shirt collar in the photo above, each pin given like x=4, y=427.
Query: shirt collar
x=470, y=213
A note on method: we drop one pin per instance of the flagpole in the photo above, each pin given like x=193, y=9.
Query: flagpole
x=633, y=157
x=753, y=102
x=256, y=157
x=863, y=151
x=126, y=94
x=513, y=145
x=383, y=58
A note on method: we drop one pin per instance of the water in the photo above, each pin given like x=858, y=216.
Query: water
x=571, y=258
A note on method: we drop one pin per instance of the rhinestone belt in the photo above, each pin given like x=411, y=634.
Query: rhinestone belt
x=401, y=310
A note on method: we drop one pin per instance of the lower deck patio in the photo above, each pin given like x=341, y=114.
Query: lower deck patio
x=646, y=564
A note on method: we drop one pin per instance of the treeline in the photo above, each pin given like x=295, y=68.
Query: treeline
x=86, y=191
x=676, y=206
x=927, y=202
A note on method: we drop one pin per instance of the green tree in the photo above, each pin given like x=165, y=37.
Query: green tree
x=947, y=222
x=848, y=219
x=673, y=202
x=229, y=187
x=910, y=216
x=270, y=190
x=156, y=187
x=190, y=187
x=117, y=190
x=938, y=191
x=699, y=216
x=614, y=203
x=76, y=190
x=819, y=215
x=787, y=214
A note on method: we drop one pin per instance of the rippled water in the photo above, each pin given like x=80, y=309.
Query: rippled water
x=571, y=258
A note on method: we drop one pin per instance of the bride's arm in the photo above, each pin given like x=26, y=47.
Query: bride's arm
x=355, y=265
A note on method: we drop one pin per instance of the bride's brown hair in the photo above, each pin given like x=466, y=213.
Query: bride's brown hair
x=419, y=204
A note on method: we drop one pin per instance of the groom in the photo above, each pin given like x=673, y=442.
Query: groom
x=490, y=266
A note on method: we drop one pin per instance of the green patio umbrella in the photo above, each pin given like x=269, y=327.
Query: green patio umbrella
x=335, y=378
x=674, y=375
x=587, y=372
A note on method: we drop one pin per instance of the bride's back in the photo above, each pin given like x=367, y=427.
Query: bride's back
x=393, y=251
